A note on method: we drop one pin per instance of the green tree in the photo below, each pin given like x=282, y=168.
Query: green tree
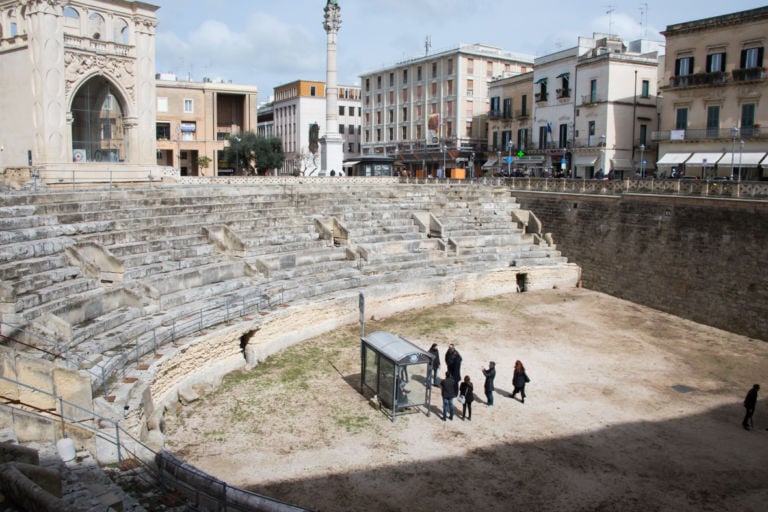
x=248, y=150
x=203, y=162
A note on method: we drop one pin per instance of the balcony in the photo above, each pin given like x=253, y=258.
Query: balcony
x=522, y=114
x=541, y=96
x=745, y=74
x=589, y=99
x=500, y=114
x=563, y=93
x=754, y=132
x=699, y=79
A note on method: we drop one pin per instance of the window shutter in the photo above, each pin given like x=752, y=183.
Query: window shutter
x=677, y=67
x=743, y=59
x=709, y=64
x=760, y=57
x=722, y=62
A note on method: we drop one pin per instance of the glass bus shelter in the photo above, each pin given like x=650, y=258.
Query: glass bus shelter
x=395, y=370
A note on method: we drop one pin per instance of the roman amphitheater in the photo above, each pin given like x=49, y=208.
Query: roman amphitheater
x=208, y=337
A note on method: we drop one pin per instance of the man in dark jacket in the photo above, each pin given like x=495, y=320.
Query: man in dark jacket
x=750, y=402
x=490, y=374
x=448, y=393
x=453, y=365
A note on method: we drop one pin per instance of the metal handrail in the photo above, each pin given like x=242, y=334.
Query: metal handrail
x=118, y=439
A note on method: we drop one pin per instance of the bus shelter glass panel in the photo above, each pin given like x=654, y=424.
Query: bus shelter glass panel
x=371, y=369
x=386, y=382
x=410, y=386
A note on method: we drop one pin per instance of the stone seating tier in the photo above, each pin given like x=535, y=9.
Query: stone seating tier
x=282, y=245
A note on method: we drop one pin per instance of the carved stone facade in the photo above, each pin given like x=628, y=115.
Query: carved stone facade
x=80, y=87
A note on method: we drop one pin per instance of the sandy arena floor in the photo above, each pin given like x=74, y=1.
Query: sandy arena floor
x=628, y=409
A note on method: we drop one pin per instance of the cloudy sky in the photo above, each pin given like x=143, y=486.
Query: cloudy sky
x=268, y=43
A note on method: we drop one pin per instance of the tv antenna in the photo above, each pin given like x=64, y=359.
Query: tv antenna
x=427, y=44
x=644, y=18
x=609, y=12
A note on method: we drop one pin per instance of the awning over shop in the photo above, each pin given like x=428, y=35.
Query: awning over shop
x=350, y=163
x=742, y=159
x=704, y=158
x=489, y=163
x=622, y=164
x=585, y=160
x=673, y=158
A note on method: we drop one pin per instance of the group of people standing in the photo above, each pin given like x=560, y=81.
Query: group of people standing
x=453, y=387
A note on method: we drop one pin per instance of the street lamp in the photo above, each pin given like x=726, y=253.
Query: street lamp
x=237, y=151
x=741, y=154
x=444, y=149
x=602, y=154
x=509, y=157
x=734, y=134
x=642, y=162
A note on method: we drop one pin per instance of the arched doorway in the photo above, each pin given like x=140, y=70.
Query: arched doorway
x=97, y=123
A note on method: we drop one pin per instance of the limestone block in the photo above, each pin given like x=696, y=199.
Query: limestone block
x=187, y=395
x=11, y=452
x=31, y=428
x=75, y=389
x=48, y=479
x=36, y=373
x=8, y=370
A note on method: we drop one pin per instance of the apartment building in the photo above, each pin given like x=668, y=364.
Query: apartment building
x=299, y=120
x=509, y=122
x=431, y=112
x=714, y=98
x=196, y=119
x=594, y=108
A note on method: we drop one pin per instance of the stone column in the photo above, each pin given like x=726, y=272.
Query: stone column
x=49, y=103
x=145, y=107
x=332, y=145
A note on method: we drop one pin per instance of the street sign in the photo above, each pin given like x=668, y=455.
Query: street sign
x=508, y=159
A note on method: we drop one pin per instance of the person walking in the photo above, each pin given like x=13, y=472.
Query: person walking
x=448, y=392
x=489, y=374
x=435, y=353
x=467, y=390
x=519, y=380
x=750, y=402
x=453, y=365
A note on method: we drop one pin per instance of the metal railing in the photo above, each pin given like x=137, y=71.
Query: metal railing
x=753, y=190
x=222, y=312
x=201, y=491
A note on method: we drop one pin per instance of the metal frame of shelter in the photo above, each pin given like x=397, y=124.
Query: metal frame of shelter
x=396, y=371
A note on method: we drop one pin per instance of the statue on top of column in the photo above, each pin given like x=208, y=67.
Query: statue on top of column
x=332, y=16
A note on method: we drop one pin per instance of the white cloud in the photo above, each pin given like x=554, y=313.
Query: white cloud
x=268, y=46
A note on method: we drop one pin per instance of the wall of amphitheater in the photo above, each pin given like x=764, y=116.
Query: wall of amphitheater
x=698, y=258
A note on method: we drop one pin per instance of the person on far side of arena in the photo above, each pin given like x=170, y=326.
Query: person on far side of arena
x=750, y=402
x=519, y=380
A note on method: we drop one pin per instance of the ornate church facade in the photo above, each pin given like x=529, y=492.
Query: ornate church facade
x=77, y=91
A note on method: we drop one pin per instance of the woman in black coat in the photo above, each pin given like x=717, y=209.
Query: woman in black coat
x=467, y=390
x=519, y=380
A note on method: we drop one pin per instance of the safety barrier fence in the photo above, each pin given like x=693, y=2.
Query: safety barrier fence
x=105, y=376
x=201, y=491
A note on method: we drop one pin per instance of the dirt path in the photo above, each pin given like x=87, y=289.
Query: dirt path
x=628, y=409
